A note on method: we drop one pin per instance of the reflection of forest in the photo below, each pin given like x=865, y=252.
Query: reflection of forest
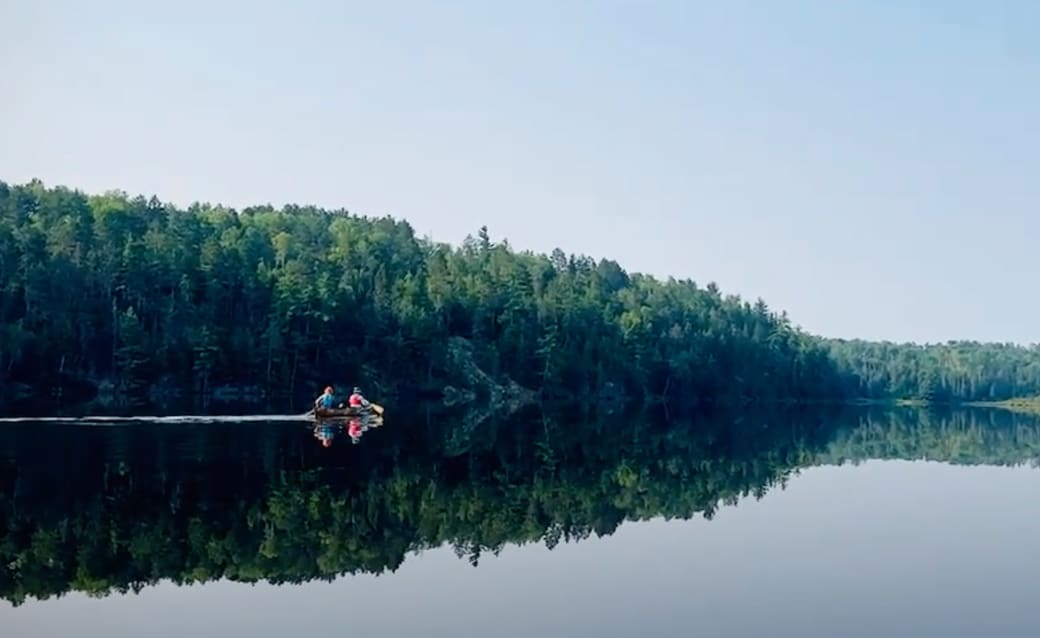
x=265, y=501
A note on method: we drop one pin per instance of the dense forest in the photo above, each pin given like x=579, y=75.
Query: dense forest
x=264, y=501
x=956, y=371
x=135, y=297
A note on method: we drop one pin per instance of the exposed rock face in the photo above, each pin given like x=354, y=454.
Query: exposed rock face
x=507, y=396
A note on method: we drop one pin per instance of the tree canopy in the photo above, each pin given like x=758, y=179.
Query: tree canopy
x=138, y=296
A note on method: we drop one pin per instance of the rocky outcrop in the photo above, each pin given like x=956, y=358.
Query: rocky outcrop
x=478, y=385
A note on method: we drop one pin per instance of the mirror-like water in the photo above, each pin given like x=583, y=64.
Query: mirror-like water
x=800, y=523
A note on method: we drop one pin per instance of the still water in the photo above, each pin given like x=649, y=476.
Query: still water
x=840, y=523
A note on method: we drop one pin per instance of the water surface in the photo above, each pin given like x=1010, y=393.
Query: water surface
x=897, y=523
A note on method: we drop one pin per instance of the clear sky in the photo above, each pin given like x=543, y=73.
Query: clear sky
x=872, y=167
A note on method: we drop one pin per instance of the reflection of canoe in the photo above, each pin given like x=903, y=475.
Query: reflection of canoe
x=331, y=413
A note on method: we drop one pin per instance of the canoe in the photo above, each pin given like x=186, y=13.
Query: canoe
x=327, y=413
x=331, y=413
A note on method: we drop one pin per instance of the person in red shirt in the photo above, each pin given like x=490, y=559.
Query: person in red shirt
x=356, y=400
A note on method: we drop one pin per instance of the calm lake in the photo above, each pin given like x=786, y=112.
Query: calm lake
x=838, y=522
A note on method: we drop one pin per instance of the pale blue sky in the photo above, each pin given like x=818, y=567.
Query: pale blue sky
x=871, y=167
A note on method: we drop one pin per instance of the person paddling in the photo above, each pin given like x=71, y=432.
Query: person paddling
x=358, y=401
x=326, y=400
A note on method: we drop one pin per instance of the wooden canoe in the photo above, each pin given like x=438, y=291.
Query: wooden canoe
x=331, y=413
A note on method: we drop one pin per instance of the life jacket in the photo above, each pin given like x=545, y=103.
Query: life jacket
x=355, y=400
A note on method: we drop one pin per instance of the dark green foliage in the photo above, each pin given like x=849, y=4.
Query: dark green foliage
x=136, y=292
x=141, y=295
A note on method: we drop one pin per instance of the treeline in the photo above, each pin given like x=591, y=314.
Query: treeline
x=265, y=502
x=140, y=297
x=138, y=292
x=955, y=371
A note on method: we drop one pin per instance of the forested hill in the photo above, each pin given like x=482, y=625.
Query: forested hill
x=137, y=294
x=956, y=371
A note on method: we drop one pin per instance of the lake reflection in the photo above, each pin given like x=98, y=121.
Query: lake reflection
x=938, y=544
